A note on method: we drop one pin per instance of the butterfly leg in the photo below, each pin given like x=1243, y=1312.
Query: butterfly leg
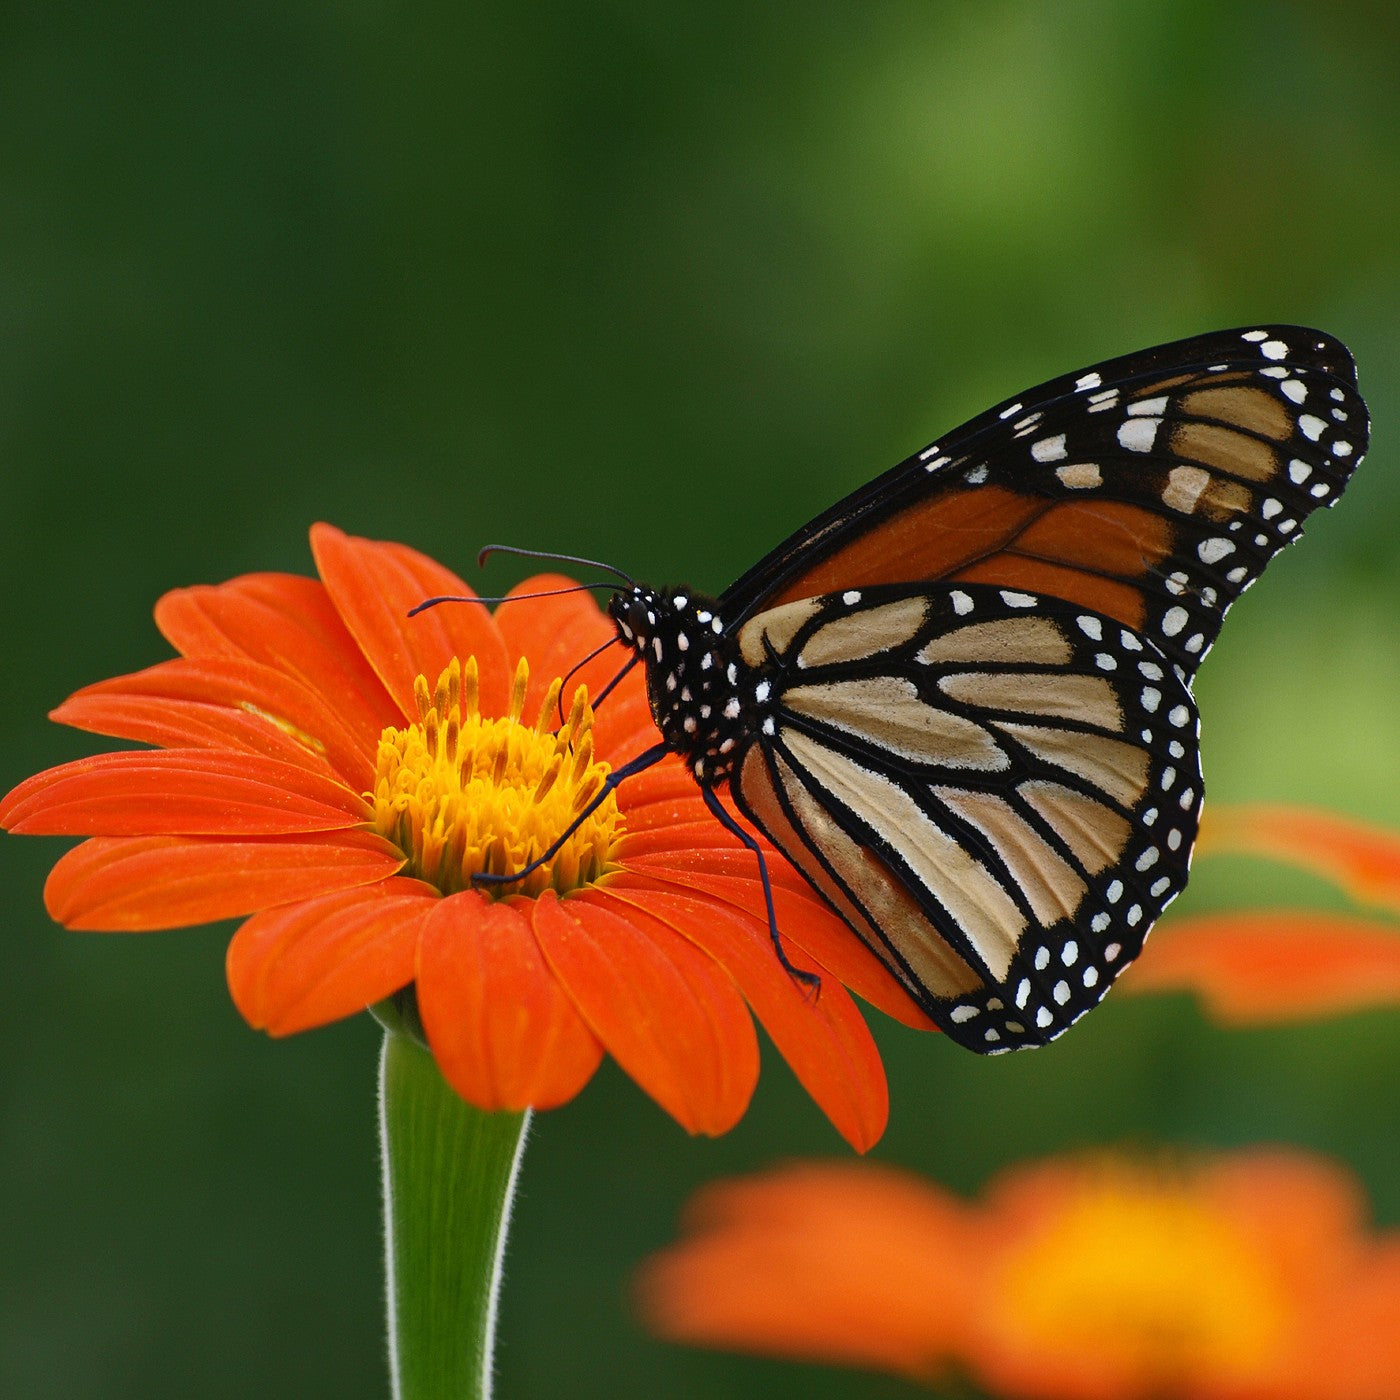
x=614, y=779
x=721, y=815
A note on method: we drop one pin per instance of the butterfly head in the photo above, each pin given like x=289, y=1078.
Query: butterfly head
x=692, y=673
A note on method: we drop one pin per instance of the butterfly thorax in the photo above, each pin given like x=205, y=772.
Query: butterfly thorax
x=692, y=675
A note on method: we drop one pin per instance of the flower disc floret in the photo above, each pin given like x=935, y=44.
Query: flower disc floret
x=461, y=794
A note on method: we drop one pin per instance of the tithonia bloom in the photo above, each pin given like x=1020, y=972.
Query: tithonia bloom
x=1259, y=965
x=1245, y=1276
x=338, y=771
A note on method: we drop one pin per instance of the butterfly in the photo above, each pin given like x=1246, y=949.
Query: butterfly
x=959, y=701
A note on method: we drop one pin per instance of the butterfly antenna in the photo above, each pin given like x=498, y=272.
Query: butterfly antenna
x=491, y=549
x=505, y=597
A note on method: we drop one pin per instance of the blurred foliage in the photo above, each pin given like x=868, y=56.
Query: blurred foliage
x=654, y=281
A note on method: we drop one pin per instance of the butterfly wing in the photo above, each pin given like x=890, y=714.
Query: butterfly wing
x=997, y=791
x=982, y=746
x=1152, y=489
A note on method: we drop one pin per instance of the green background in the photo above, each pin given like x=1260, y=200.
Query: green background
x=655, y=282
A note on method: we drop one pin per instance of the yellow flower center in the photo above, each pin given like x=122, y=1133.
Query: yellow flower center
x=1143, y=1273
x=460, y=794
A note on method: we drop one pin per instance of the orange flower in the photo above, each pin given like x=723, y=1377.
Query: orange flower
x=338, y=771
x=1275, y=965
x=1247, y=1276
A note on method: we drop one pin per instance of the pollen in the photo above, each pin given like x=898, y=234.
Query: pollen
x=463, y=795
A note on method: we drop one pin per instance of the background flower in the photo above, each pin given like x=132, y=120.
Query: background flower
x=1249, y=1275
x=1278, y=964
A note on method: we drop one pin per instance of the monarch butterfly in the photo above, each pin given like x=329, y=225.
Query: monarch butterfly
x=959, y=701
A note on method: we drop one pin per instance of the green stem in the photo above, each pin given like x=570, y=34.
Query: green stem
x=449, y=1179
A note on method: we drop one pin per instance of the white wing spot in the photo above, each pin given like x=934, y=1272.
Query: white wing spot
x=1178, y=716
x=851, y=597
x=937, y=462
x=1051, y=449
x=1294, y=389
x=1044, y=1017
x=1138, y=434
x=1114, y=892
x=1069, y=953
x=959, y=1014
x=1061, y=992
x=1151, y=698
x=1145, y=407
x=1274, y=350
x=1091, y=627
x=962, y=604
x=976, y=476
x=1017, y=600
x=1099, y=922
x=1091, y=977
x=1011, y=412
x=1111, y=952
x=1042, y=958
x=1173, y=620
x=1255, y=335
x=1341, y=449
x=1213, y=550
x=1310, y=426
x=1087, y=381
x=1080, y=476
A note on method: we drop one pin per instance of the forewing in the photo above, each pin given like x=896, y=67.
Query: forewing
x=1152, y=489
x=998, y=791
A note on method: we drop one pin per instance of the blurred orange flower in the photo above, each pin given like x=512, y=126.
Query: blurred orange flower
x=338, y=771
x=1276, y=965
x=1244, y=1276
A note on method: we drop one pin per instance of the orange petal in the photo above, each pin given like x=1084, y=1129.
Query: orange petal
x=822, y=1036
x=803, y=918
x=503, y=1031
x=863, y=1266
x=375, y=583
x=315, y=961
x=180, y=792
x=130, y=883
x=665, y=1011
x=1363, y=860
x=1253, y=967
x=289, y=623
x=224, y=703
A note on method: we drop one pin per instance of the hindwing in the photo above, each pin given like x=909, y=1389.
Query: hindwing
x=997, y=790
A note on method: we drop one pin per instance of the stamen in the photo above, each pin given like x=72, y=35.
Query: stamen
x=460, y=794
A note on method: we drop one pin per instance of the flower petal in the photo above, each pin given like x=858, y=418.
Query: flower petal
x=180, y=792
x=822, y=1037
x=1273, y=966
x=859, y=1265
x=1363, y=860
x=148, y=882
x=803, y=918
x=324, y=958
x=665, y=1011
x=504, y=1032
x=375, y=583
x=225, y=703
x=286, y=622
